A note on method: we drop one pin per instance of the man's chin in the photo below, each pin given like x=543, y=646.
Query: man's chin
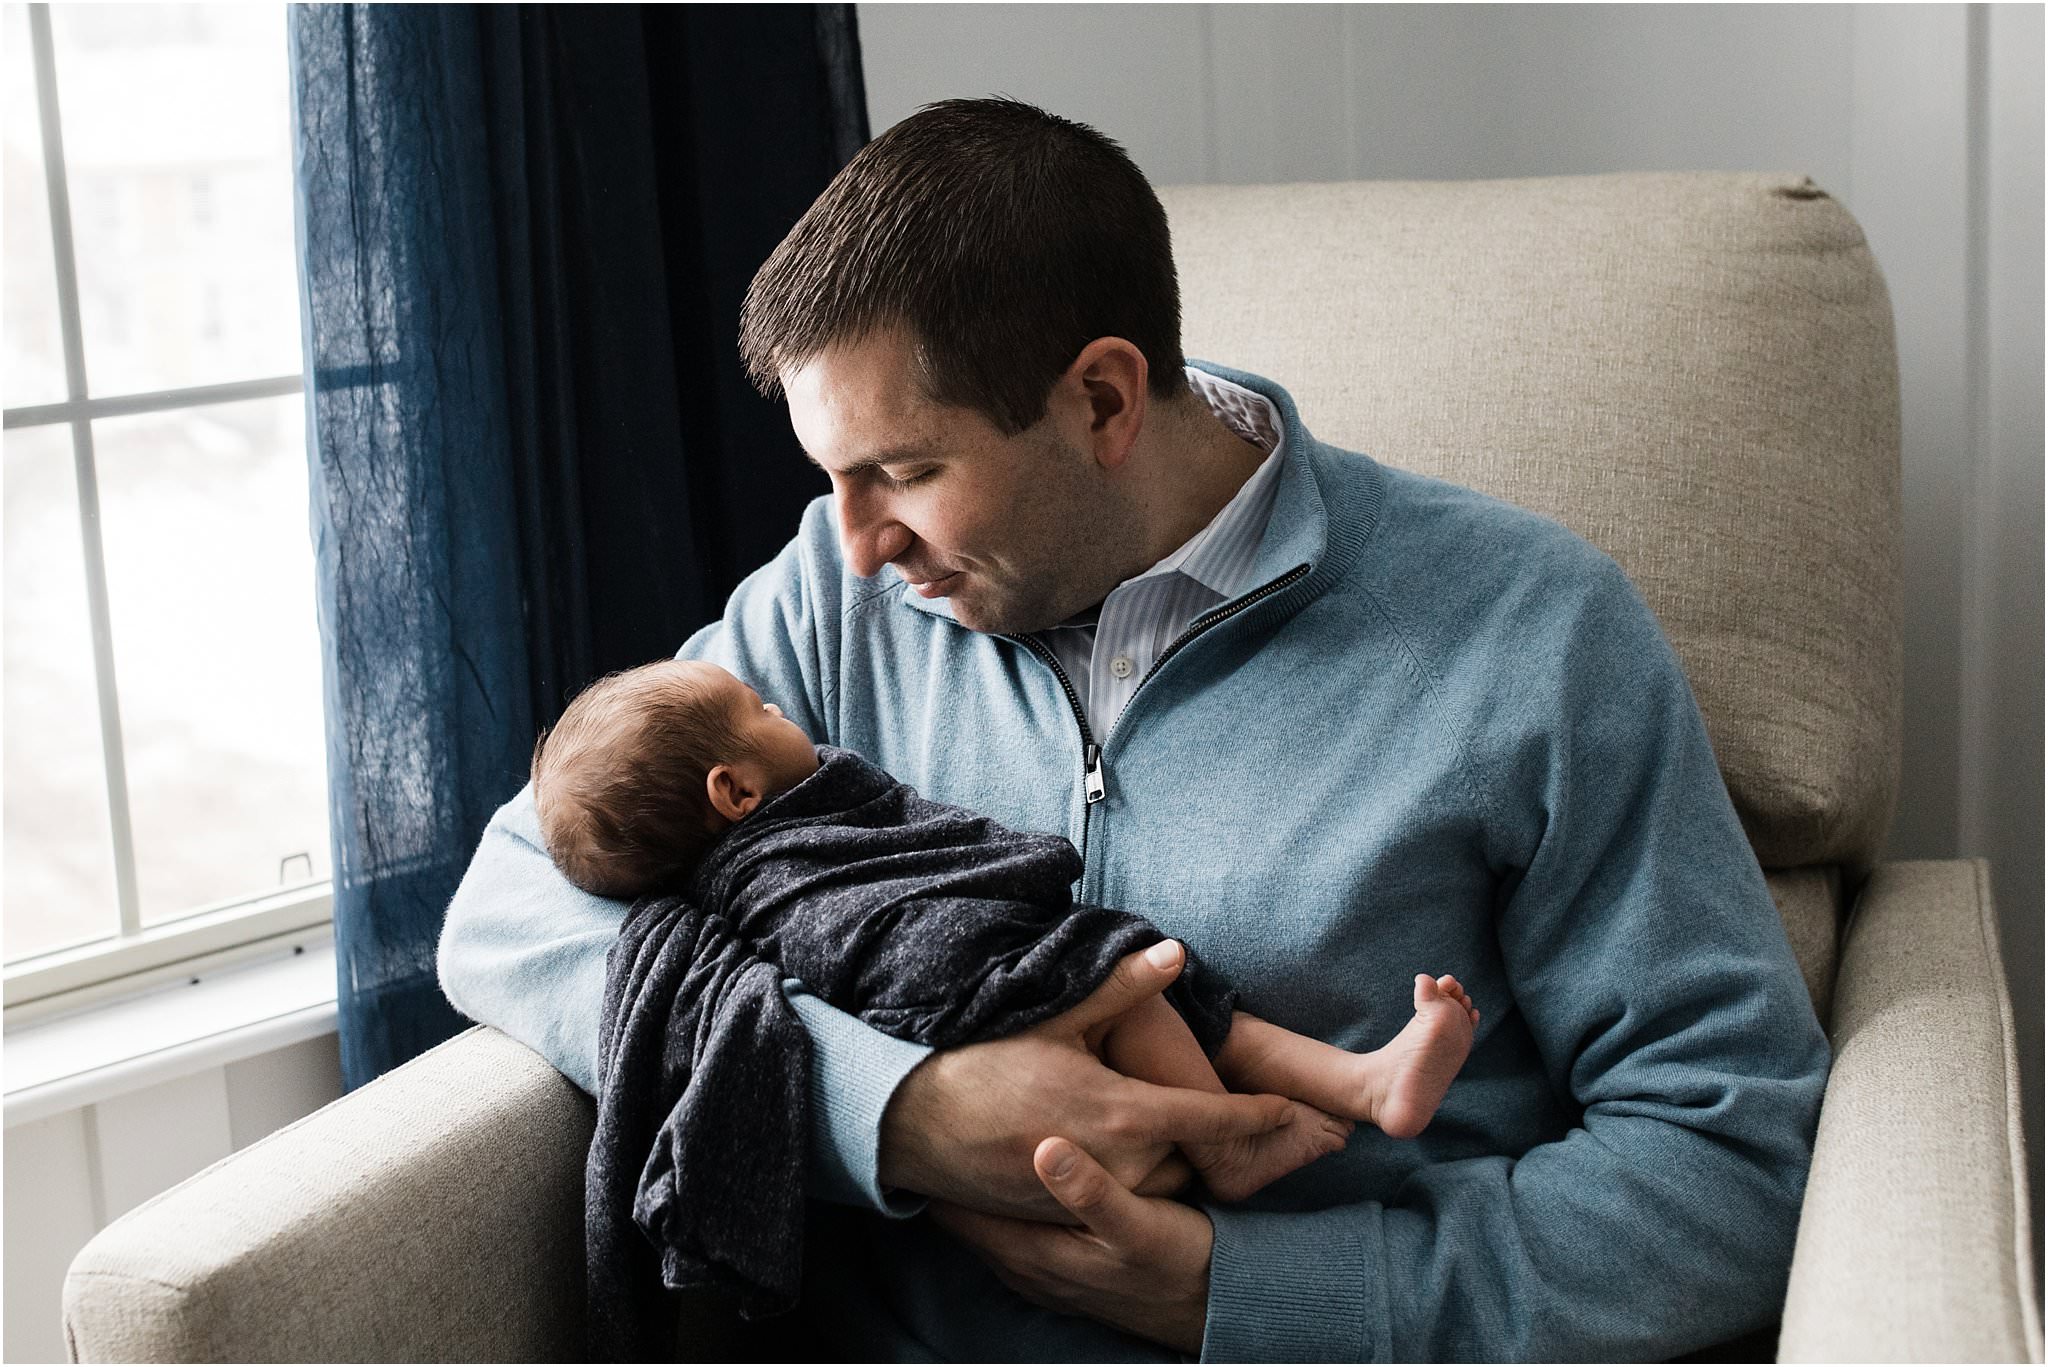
x=966, y=615
x=977, y=613
x=998, y=619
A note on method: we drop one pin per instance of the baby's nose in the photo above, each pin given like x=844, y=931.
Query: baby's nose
x=773, y=710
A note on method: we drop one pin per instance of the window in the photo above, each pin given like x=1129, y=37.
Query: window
x=165, y=779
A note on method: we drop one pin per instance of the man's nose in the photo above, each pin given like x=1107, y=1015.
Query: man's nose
x=868, y=536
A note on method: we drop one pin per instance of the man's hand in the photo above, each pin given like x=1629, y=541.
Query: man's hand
x=964, y=1124
x=1140, y=1263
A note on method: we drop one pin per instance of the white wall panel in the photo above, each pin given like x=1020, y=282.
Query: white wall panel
x=1595, y=88
x=1283, y=108
x=1910, y=173
x=152, y=1139
x=1478, y=91
x=50, y=1215
x=2001, y=680
x=270, y=1091
x=1426, y=85
x=1136, y=71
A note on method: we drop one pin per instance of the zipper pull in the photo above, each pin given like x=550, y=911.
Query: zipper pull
x=1093, y=758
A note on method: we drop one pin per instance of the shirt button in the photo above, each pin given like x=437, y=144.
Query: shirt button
x=1121, y=666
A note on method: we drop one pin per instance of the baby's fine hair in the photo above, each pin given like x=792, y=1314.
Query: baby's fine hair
x=618, y=782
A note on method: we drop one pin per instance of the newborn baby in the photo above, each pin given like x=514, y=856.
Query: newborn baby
x=929, y=922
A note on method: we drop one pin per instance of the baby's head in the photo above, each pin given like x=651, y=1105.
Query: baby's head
x=647, y=768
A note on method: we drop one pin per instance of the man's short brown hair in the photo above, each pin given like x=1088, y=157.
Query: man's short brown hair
x=1004, y=238
x=618, y=784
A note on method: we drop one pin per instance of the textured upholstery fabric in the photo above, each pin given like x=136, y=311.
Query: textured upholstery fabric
x=435, y=1214
x=1921, y=1125
x=1695, y=372
x=1810, y=900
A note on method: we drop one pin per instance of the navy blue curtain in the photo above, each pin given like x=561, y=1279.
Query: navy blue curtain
x=525, y=234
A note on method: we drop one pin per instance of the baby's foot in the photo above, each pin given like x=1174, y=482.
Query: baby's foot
x=1236, y=1168
x=1411, y=1074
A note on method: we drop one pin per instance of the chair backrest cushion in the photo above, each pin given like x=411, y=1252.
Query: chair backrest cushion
x=1695, y=372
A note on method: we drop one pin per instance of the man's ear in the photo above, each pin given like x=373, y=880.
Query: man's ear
x=732, y=796
x=1109, y=378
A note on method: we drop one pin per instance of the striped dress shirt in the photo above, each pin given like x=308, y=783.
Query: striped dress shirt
x=1107, y=650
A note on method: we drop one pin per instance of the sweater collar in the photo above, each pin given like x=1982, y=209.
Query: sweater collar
x=1297, y=530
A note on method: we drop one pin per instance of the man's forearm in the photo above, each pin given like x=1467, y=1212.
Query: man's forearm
x=523, y=949
x=1633, y=1240
x=855, y=1071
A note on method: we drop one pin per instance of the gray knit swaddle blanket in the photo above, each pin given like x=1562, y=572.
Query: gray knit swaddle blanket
x=928, y=922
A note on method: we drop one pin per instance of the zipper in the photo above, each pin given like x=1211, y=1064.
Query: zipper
x=1214, y=617
x=1094, y=782
x=1091, y=753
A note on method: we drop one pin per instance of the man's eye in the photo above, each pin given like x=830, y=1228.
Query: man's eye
x=906, y=481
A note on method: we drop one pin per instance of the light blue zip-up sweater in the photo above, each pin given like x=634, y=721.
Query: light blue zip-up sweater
x=1438, y=735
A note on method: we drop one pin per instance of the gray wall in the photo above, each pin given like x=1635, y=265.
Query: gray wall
x=1925, y=120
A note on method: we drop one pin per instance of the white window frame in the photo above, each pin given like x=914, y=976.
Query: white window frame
x=37, y=985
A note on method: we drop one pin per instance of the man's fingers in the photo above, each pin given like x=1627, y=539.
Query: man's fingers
x=1094, y=1198
x=1181, y=1115
x=1137, y=976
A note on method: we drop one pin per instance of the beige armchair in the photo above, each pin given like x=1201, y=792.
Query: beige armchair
x=1697, y=373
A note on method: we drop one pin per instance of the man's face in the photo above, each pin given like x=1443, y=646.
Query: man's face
x=1017, y=532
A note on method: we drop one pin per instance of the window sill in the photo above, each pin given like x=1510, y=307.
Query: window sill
x=120, y=966
x=102, y=1050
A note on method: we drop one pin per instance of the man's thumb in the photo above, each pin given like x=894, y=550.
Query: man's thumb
x=1137, y=976
x=1165, y=957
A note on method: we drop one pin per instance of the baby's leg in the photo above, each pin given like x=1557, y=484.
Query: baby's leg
x=1397, y=1087
x=1152, y=1043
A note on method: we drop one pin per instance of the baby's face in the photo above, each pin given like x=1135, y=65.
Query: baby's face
x=787, y=756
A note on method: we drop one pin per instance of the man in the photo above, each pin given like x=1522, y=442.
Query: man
x=1326, y=722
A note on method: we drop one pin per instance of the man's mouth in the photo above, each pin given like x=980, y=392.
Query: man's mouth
x=932, y=588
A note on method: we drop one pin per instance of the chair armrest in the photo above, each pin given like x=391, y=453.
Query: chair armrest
x=1915, y=1240
x=435, y=1214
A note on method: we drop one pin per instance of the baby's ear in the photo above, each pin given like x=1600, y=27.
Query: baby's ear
x=729, y=793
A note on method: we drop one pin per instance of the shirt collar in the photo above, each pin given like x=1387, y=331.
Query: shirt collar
x=1220, y=556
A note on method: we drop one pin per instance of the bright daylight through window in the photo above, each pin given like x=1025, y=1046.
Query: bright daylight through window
x=163, y=737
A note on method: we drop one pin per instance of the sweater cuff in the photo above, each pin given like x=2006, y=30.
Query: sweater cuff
x=1295, y=1287
x=854, y=1071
